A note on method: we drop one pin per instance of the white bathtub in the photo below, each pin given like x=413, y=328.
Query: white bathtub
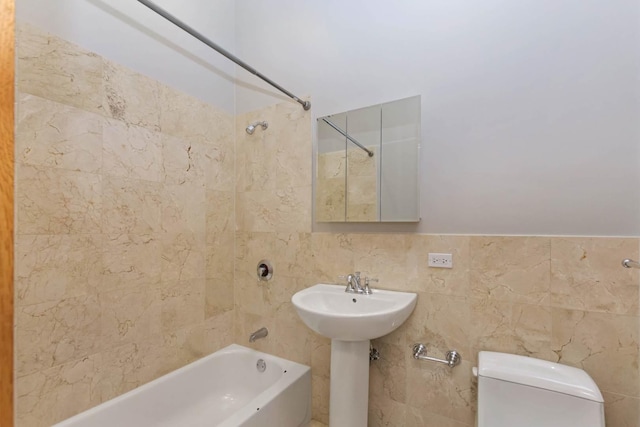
x=224, y=389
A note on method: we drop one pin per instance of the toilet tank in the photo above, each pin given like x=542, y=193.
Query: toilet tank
x=518, y=391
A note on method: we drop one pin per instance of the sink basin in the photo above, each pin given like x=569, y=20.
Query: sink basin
x=330, y=311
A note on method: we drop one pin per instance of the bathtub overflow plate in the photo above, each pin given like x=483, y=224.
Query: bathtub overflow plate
x=261, y=365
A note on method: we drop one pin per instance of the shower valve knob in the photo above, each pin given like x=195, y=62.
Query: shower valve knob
x=264, y=270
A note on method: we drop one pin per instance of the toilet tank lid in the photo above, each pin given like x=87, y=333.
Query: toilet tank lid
x=538, y=373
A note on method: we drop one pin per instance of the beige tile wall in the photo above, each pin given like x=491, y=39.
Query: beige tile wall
x=125, y=197
x=330, y=203
x=346, y=186
x=122, y=275
x=561, y=299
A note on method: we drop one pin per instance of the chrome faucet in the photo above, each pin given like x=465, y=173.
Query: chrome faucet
x=354, y=284
x=260, y=333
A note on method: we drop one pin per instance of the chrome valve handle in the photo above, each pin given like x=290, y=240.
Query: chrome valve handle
x=366, y=289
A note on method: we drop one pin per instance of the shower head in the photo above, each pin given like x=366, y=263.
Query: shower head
x=252, y=127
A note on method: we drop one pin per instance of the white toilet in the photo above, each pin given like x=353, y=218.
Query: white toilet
x=518, y=391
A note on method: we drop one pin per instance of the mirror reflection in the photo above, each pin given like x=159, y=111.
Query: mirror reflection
x=367, y=164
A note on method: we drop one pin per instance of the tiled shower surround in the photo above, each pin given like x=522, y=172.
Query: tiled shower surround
x=125, y=193
x=129, y=265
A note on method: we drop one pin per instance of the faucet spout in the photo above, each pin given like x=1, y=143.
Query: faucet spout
x=353, y=283
x=260, y=333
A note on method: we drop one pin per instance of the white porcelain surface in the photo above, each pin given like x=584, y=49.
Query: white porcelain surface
x=330, y=311
x=222, y=389
x=527, y=392
x=505, y=404
x=538, y=373
x=348, y=397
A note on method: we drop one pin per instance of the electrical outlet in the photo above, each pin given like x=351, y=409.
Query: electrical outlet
x=441, y=260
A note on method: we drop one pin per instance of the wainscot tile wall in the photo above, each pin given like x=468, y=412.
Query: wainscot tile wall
x=126, y=251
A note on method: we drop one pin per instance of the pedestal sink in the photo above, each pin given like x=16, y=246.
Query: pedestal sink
x=351, y=320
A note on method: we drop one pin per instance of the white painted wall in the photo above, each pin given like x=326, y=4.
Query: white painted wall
x=530, y=108
x=127, y=32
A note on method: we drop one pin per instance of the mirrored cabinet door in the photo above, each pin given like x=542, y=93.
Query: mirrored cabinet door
x=363, y=165
x=399, y=195
x=367, y=164
x=331, y=170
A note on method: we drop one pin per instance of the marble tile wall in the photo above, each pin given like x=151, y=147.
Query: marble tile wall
x=124, y=246
x=564, y=299
x=346, y=186
x=362, y=184
x=331, y=194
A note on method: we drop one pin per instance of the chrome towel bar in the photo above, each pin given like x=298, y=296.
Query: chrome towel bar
x=452, y=358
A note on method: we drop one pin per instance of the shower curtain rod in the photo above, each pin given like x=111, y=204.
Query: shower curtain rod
x=175, y=21
x=346, y=135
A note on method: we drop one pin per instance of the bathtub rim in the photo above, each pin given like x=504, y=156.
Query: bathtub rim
x=297, y=370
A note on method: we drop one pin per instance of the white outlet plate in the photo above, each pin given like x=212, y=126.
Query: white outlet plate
x=441, y=260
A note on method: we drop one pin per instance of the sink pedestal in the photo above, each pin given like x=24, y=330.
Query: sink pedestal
x=349, y=386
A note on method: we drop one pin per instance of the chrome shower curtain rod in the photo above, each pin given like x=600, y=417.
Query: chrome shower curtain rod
x=175, y=21
x=346, y=135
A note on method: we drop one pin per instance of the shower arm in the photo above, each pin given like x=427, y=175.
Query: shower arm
x=175, y=21
x=346, y=135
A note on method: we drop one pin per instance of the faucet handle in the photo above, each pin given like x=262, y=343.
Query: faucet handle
x=367, y=289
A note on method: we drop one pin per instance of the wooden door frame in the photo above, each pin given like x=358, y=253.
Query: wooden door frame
x=7, y=75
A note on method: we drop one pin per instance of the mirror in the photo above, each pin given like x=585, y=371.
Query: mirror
x=367, y=164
